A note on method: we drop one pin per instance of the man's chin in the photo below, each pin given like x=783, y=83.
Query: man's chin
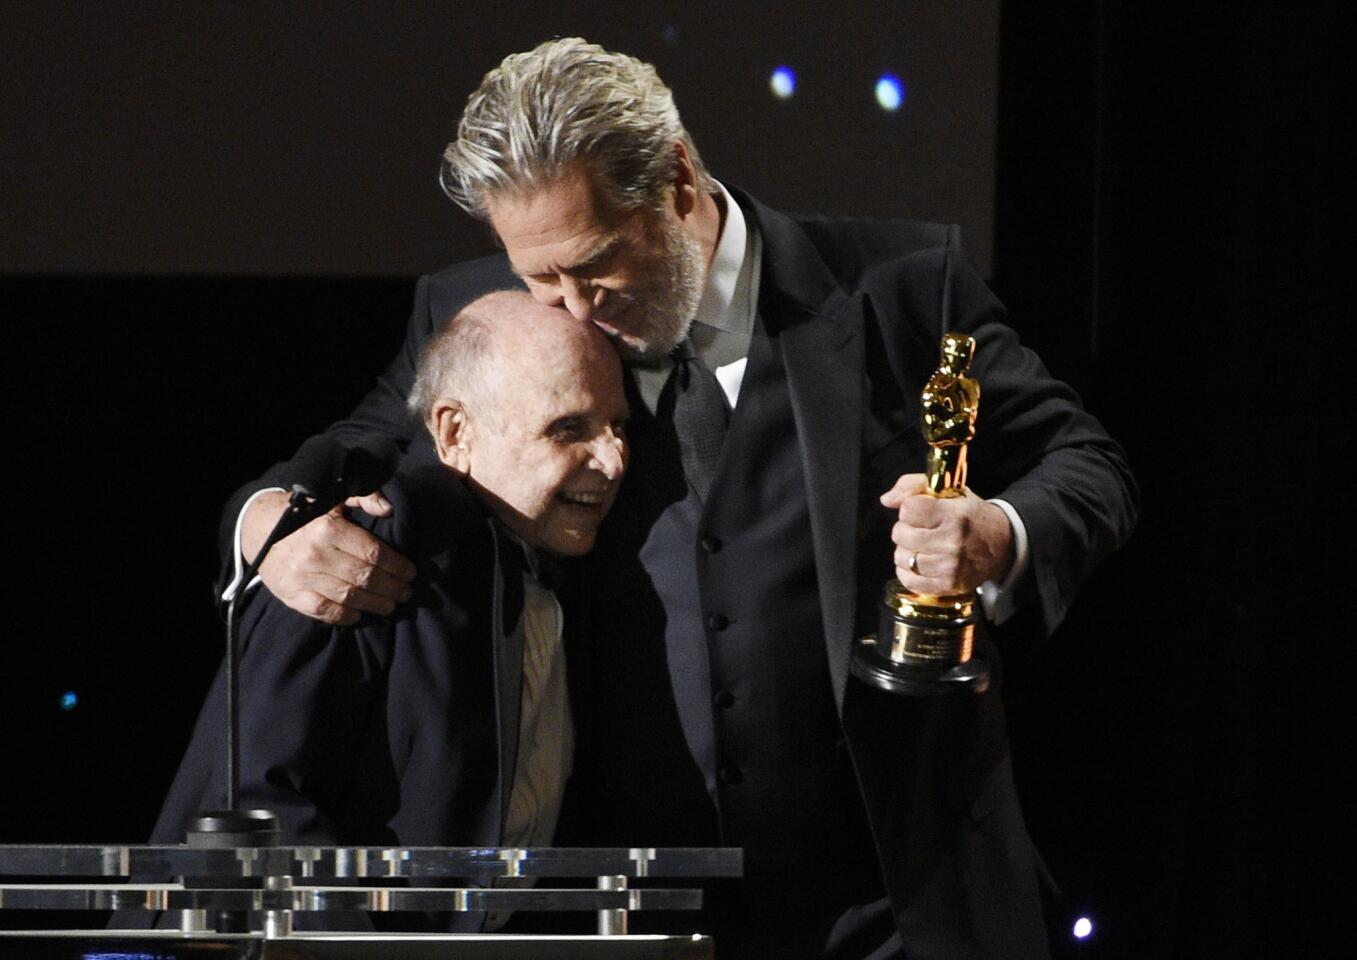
x=652, y=351
x=575, y=539
x=641, y=354
x=573, y=547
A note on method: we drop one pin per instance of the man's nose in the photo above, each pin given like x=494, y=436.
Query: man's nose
x=610, y=454
x=580, y=297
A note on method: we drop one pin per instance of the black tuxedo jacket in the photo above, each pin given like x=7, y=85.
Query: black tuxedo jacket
x=397, y=731
x=860, y=307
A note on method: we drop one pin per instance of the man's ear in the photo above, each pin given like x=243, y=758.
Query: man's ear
x=685, y=181
x=451, y=434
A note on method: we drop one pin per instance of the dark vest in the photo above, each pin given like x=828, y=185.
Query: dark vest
x=704, y=711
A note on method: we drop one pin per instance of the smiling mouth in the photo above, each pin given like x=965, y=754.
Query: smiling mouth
x=584, y=499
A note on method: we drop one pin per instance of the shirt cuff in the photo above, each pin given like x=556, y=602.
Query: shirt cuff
x=998, y=598
x=233, y=588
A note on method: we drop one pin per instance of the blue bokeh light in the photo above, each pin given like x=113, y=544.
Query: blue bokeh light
x=783, y=82
x=69, y=700
x=1083, y=928
x=890, y=92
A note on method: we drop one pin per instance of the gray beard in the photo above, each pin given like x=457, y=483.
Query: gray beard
x=673, y=303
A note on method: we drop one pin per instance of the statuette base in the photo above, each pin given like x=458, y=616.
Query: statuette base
x=914, y=679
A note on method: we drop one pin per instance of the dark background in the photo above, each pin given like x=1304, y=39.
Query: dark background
x=1164, y=195
x=302, y=138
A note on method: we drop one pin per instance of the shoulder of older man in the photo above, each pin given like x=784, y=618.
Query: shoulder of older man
x=436, y=520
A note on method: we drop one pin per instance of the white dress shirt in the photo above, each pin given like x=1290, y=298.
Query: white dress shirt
x=546, y=733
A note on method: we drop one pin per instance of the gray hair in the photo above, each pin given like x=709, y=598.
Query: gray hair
x=566, y=100
x=453, y=363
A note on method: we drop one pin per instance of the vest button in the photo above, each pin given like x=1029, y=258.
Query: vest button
x=725, y=699
x=718, y=621
x=712, y=544
x=730, y=774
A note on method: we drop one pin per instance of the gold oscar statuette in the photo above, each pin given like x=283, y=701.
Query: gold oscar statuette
x=924, y=643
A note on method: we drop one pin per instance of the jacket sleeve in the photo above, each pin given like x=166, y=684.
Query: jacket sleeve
x=308, y=692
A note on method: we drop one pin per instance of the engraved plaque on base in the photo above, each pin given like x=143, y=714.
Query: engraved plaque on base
x=922, y=649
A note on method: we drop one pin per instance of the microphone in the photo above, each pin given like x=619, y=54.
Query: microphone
x=329, y=471
x=326, y=471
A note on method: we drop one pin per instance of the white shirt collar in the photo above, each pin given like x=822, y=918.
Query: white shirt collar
x=726, y=303
x=724, y=323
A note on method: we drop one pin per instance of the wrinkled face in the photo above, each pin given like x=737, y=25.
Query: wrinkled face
x=548, y=458
x=636, y=275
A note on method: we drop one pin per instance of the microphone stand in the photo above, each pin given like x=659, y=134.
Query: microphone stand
x=233, y=827
x=303, y=507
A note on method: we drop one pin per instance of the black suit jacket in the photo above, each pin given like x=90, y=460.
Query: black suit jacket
x=860, y=307
x=397, y=731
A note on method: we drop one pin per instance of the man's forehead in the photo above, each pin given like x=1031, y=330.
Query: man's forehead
x=535, y=399
x=560, y=220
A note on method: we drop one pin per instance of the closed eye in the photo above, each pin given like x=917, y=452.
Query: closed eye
x=567, y=428
x=600, y=262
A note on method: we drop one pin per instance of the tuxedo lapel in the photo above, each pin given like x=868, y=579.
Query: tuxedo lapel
x=820, y=330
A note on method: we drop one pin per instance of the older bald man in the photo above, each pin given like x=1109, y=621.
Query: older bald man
x=447, y=723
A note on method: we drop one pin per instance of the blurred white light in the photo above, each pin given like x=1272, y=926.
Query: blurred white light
x=1083, y=927
x=890, y=92
x=782, y=82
